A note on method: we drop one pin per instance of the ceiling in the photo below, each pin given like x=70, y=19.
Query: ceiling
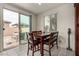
x=37, y=8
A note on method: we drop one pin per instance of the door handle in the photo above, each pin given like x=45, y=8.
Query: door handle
x=3, y=28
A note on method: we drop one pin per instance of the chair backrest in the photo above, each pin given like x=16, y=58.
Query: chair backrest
x=50, y=38
x=32, y=36
x=54, y=36
x=36, y=33
x=39, y=32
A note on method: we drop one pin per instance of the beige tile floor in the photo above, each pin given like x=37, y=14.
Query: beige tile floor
x=21, y=50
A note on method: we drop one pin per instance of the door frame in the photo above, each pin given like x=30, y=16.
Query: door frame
x=76, y=6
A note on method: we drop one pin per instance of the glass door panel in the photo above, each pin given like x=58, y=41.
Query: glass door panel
x=10, y=29
x=24, y=28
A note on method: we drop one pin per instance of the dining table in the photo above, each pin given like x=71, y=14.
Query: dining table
x=42, y=37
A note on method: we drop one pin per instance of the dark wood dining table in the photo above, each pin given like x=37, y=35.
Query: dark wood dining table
x=42, y=37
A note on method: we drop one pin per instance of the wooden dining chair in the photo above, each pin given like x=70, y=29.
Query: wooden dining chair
x=51, y=40
x=33, y=43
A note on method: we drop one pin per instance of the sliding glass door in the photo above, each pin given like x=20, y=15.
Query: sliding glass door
x=15, y=28
x=25, y=27
x=10, y=29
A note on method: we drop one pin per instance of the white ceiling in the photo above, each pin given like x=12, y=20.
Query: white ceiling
x=36, y=8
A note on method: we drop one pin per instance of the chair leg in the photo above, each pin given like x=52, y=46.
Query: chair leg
x=49, y=51
x=35, y=48
x=32, y=51
x=57, y=44
x=38, y=46
x=52, y=45
x=28, y=50
x=31, y=47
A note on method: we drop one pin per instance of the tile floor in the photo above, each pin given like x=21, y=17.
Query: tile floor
x=10, y=41
x=21, y=50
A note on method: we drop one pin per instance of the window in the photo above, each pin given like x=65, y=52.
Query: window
x=47, y=24
x=50, y=23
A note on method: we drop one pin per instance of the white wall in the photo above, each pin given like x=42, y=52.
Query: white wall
x=65, y=20
x=19, y=10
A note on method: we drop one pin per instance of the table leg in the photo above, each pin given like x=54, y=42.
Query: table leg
x=42, y=47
